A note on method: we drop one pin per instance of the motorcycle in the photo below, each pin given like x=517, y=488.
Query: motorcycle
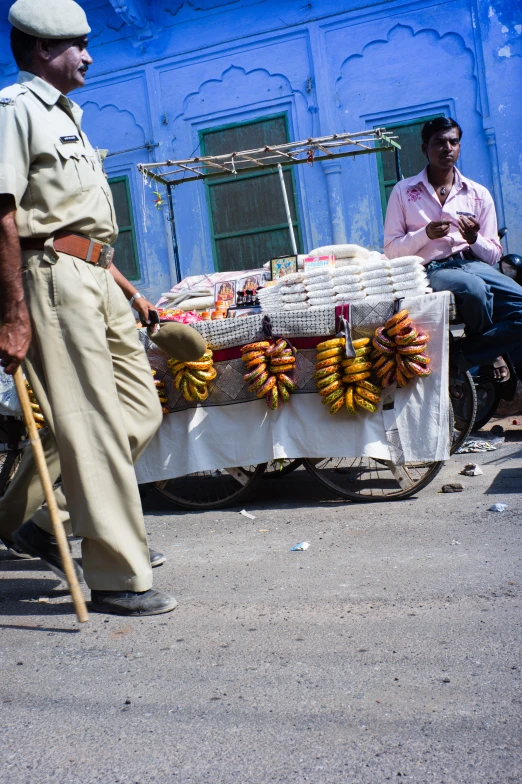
x=490, y=393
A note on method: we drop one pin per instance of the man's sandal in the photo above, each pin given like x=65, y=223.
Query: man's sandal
x=497, y=371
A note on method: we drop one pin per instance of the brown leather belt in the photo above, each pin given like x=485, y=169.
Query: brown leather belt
x=74, y=245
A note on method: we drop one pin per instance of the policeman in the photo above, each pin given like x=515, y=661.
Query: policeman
x=64, y=315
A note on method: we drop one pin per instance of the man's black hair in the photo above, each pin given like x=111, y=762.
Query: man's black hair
x=23, y=47
x=439, y=124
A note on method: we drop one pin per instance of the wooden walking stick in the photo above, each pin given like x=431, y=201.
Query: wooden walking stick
x=43, y=471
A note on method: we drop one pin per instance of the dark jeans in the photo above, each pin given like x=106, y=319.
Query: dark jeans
x=490, y=305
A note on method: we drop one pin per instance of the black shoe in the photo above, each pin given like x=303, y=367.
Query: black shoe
x=38, y=543
x=156, y=559
x=132, y=603
x=13, y=549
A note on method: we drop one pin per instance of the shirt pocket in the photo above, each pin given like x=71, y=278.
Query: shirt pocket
x=79, y=166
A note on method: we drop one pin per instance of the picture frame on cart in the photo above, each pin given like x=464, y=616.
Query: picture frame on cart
x=282, y=266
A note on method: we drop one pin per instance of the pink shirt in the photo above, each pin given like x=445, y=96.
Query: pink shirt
x=413, y=204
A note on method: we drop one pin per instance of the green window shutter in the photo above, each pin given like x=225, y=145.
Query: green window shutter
x=126, y=255
x=413, y=159
x=247, y=212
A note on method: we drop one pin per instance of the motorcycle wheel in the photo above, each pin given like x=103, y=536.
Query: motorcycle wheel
x=489, y=396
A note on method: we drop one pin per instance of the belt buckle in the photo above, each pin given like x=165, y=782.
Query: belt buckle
x=106, y=257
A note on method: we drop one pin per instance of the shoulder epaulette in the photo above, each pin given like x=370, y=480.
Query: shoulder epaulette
x=9, y=94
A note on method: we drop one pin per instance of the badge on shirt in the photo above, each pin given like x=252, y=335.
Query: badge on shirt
x=69, y=139
x=6, y=101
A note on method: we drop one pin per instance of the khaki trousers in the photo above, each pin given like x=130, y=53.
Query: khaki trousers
x=92, y=380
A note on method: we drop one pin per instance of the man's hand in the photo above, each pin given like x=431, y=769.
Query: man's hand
x=15, y=329
x=469, y=228
x=142, y=307
x=437, y=229
x=14, y=342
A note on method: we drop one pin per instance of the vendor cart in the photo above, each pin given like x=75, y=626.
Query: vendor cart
x=211, y=454
x=388, y=455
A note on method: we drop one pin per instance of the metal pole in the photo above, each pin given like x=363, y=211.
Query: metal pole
x=173, y=230
x=287, y=208
x=398, y=167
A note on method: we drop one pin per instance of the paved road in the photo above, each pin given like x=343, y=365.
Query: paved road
x=388, y=651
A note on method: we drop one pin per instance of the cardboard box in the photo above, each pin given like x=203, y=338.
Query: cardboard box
x=316, y=262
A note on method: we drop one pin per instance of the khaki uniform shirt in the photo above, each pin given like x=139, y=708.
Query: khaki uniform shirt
x=49, y=166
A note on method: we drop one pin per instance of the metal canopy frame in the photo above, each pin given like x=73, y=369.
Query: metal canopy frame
x=271, y=158
x=322, y=148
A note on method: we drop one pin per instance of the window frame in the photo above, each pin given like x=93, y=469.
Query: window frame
x=390, y=126
x=131, y=227
x=202, y=132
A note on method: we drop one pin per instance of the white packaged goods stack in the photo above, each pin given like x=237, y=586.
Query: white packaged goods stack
x=345, y=281
x=348, y=281
x=319, y=287
x=358, y=274
x=270, y=297
x=293, y=292
x=377, y=279
x=408, y=276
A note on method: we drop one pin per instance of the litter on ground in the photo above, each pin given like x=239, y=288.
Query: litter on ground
x=298, y=547
x=472, y=469
x=498, y=508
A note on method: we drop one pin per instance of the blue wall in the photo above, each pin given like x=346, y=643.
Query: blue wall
x=163, y=70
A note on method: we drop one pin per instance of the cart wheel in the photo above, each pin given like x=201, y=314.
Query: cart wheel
x=12, y=432
x=283, y=467
x=489, y=396
x=463, y=398
x=211, y=489
x=367, y=479
x=9, y=462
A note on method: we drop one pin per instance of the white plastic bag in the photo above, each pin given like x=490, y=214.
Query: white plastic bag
x=9, y=403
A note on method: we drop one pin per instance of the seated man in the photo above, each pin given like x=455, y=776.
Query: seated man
x=450, y=222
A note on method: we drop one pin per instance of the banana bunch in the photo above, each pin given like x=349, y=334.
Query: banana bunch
x=38, y=416
x=399, y=351
x=162, y=393
x=192, y=379
x=344, y=382
x=267, y=364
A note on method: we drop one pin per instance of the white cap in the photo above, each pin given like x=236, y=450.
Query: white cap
x=57, y=19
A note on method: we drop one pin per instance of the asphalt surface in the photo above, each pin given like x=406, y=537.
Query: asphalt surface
x=388, y=651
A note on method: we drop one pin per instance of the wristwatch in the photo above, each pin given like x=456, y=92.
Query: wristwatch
x=135, y=296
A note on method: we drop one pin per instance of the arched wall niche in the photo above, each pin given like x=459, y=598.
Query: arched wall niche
x=414, y=73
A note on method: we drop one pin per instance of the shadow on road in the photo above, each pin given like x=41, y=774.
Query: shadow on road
x=298, y=490
x=20, y=595
x=20, y=627
x=507, y=480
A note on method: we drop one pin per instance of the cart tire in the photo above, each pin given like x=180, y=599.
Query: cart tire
x=364, y=479
x=489, y=397
x=211, y=489
x=464, y=409
x=14, y=436
x=9, y=462
x=274, y=470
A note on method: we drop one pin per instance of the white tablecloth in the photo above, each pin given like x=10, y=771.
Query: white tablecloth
x=416, y=429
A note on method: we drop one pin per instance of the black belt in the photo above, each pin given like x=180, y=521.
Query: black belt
x=461, y=255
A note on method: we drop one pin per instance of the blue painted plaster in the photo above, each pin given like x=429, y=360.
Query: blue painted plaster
x=166, y=69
